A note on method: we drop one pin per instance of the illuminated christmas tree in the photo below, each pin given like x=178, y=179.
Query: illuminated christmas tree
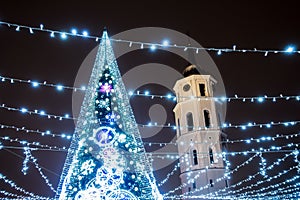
x=106, y=159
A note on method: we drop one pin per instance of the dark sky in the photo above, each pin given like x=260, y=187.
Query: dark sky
x=220, y=24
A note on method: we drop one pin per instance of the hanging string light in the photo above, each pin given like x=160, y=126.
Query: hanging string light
x=42, y=133
x=143, y=44
x=33, y=145
x=16, y=187
x=154, y=124
x=59, y=87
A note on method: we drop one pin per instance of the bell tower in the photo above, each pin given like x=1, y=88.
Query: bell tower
x=199, y=137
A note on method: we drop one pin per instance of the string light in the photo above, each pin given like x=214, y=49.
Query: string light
x=283, y=172
x=164, y=44
x=60, y=87
x=25, y=162
x=42, y=133
x=33, y=144
x=257, y=152
x=38, y=112
x=273, y=192
x=30, y=157
x=198, y=175
x=244, y=188
x=177, y=166
x=251, y=177
x=248, y=141
x=154, y=124
x=259, y=99
x=8, y=194
x=16, y=187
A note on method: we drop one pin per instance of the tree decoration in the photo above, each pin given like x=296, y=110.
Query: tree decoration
x=106, y=159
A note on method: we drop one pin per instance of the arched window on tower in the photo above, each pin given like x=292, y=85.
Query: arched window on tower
x=202, y=89
x=195, y=157
x=211, y=156
x=190, y=121
x=206, y=118
x=178, y=126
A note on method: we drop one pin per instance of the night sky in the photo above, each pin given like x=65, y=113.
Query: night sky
x=248, y=25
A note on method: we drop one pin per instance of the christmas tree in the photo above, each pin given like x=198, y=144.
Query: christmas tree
x=106, y=158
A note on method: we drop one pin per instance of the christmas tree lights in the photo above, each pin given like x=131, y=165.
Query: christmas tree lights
x=106, y=159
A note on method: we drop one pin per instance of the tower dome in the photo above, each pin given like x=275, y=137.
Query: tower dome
x=190, y=70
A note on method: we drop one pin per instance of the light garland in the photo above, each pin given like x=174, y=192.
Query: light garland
x=258, y=193
x=142, y=44
x=251, y=177
x=261, y=182
x=24, y=142
x=42, y=133
x=25, y=162
x=11, y=194
x=176, y=167
x=30, y=157
x=59, y=87
x=292, y=194
x=154, y=124
x=62, y=135
x=229, y=173
x=256, y=152
x=16, y=187
x=41, y=113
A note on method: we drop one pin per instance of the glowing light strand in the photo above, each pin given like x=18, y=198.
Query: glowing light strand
x=37, y=112
x=142, y=44
x=251, y=177
x=15, y=196
x=259, y=193
x=25, y=162
x=60, y=87
x=42, y=133
x=35, y=144
x=34, y=160
x=176, y=167
x=154, y=124
x=245, y=180
x=283, y=172
x=49, y=133
x=16, y=187
x=231, y=172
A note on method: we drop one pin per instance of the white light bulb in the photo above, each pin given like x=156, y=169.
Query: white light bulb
x=59, y=87
x=74, y=31
x=34, y=84
x=24, y=110
x=165, y=43
x=289, y=49
x=63, y=36
x=152, y=47
x=85, y=33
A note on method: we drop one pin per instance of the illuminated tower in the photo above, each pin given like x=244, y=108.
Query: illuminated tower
x=199, y=137
x=106, y=159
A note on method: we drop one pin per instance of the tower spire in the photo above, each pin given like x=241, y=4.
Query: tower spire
x=106, y=159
